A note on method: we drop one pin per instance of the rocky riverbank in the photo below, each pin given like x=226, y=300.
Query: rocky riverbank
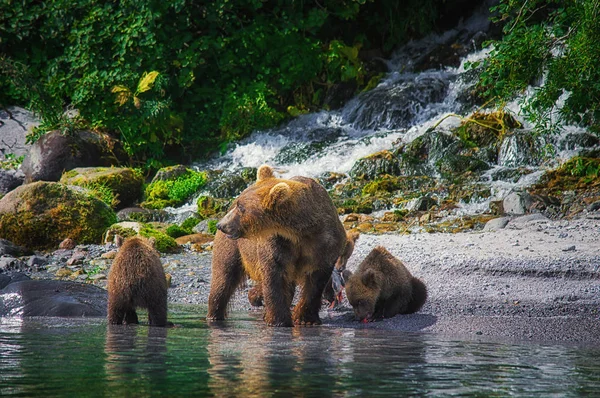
x=535, y=279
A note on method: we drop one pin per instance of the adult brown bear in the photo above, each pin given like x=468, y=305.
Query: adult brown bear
x=137, y=279
x=281, y=233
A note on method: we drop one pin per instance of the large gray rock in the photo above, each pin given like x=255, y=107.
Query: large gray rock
x=9, y=180
x=55, y=153
x=517, y=203
x=15, y=123
x=52, y=298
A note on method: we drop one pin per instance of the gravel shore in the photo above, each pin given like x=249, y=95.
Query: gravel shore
x=536, y=280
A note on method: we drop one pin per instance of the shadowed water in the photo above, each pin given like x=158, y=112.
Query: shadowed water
x=242, y=357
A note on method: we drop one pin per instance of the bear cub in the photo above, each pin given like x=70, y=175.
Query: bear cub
x=137, y=279
x=382, y=287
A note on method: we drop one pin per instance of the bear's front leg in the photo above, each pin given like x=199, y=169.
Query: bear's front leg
x=306, y=311
x=277, y=289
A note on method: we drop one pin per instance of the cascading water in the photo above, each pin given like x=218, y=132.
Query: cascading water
x=404, y=106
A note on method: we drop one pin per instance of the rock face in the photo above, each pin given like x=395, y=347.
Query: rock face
x=15, y=123
x=124, y=182
x=40, y=215
x=26, y=297
x=9, y=180
x=55, y=153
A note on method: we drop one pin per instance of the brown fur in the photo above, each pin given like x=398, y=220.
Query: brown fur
x=280, y=233
x=137, y=279
x=382, y=287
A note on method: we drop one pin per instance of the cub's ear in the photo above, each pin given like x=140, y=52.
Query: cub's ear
x=352, y=236
x=369, y=279
x=277, y=195
x=264, y=172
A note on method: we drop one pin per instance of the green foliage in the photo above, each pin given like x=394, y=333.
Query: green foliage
x=556, y=40
x=162, y=193
x=214, y=71
x=11, y=161
x=212, y=226
x=190, y=223
x=175, y=231
x=587, y=168
x=103, y=192
x=163, y=242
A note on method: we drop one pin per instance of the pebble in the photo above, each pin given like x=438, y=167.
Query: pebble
x=569, y=249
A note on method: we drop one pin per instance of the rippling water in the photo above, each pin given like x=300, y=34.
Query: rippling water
x=242, y=357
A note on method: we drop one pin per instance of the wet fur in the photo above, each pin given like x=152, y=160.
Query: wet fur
x=383, y=287
x=282, y=234
x=137, y=279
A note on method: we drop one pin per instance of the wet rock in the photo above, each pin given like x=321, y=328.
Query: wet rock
x=170, y=173
x=10, y=277
x=140, y=214
x=228, y=184
x=395, y=106
x=575, y=141
x=512, y=174
x=517, y=203
x=37, y=262
x=372, y=166
x=595, y=206
x=521, y=148
x=55, y=152
x=203, y=227
x=15, y=124
x=52, y=298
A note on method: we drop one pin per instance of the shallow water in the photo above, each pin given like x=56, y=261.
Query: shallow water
x=242, y=357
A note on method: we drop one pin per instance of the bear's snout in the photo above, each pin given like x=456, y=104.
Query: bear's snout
x=230, y=226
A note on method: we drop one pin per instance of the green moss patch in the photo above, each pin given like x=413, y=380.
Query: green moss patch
x=40, y=215
x=163, y=193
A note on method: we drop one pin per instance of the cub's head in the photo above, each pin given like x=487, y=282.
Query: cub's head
x=362, y=290
x=257, y=208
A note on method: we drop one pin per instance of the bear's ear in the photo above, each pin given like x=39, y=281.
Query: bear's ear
x=369, y=279
x=277, y=195
x=264, y=172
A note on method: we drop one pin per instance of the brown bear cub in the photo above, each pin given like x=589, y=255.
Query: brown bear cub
x=382, y=287
x=281, y=233
x=137, y=279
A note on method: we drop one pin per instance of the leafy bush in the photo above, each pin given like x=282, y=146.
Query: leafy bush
x=551, y=40
x=191, y=76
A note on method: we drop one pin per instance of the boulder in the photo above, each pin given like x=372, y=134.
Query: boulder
x=125, y=183
x=517, y=203
x=15, y=124
x=55, y=153
x=41, y=214
x=377, y=164
x=496, y=224
x=9, y=180
x=26, y=298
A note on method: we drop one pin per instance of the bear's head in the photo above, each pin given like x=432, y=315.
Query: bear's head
x=362, y=290
x=257, y=208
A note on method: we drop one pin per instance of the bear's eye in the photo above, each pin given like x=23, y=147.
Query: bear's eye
x=241, y=207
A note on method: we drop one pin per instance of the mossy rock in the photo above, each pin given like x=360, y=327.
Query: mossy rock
x=125, y=183
x=209, y=207
x=163, y=242
x=40, y=215
x=228, y=184
x=162, y=192
x=377, y=164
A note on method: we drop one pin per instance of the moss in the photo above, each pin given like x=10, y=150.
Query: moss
x=212, y=226
x=164, y=243
x=163, y=193
x=484, y=129
x=42, y=214
x=175, y=231
x=190, y=223
x=117, y=187
x=211, y=207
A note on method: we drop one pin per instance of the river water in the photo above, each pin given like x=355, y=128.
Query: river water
x=242, y=357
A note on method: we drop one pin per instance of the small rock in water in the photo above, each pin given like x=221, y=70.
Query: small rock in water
x=569, y=249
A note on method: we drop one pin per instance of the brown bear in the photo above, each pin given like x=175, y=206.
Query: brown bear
x=280, y=233
x=137, y=279
x=333, y=289
x=382, y=287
